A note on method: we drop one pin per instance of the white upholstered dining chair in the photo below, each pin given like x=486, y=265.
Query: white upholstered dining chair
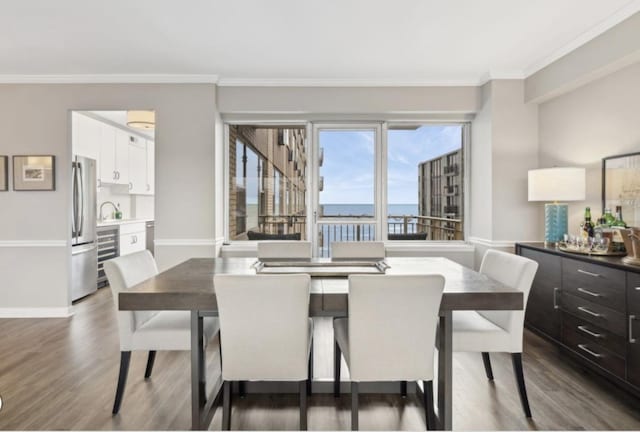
x=147, y=330
x=284, y=249
x=498, y=331
x=266, y=333
x=357, y=250
x=390, y=333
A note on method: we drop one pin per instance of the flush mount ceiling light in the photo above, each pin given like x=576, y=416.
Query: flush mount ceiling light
x=141, y=119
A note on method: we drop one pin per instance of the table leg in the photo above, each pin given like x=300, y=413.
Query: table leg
x=197, y=370
x=445, y=367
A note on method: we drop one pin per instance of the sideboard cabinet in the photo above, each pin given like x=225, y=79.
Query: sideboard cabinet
x=590, y=307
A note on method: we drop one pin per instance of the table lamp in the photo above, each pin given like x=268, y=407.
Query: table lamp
x=557, y=185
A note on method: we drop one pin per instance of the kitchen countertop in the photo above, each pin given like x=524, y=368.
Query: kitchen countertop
x=111, y=222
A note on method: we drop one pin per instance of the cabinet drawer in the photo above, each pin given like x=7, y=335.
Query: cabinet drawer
x=136, y=227
x=633, y=293
x=598, y=284
x=133, y=242
x=614, y=343
x=593, y=352
x=602, y=316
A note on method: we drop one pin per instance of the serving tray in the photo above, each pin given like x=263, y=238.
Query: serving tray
x=590, y=252
x=321, y=269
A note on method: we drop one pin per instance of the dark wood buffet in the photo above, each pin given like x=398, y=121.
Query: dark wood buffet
x=590, y=307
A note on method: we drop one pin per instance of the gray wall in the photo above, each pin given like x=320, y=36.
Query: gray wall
x=613, y=50
x=34, y=227
x=374, y=100
x=581, y=127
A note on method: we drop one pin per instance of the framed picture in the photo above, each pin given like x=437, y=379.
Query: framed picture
x=34, y=173
x=4, y=173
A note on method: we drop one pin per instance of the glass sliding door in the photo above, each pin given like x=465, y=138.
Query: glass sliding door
x=346, y=204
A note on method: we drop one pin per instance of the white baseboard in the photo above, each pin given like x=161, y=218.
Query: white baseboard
x=33, y=243
x=59, y=312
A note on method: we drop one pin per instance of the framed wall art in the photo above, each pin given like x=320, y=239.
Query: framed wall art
x=621, y=186
x=4, y=173
x=34, y=173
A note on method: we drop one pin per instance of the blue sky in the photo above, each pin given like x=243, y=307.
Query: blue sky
x=348, y=167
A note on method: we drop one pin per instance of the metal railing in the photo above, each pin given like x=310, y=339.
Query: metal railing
x=435, y=228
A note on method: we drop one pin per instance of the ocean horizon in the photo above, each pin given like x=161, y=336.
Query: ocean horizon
x=367, y=209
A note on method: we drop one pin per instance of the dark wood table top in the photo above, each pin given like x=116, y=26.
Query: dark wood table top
x=189, y=286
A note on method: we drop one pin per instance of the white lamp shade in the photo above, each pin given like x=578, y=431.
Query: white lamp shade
x=557, y=184
x=141, y=119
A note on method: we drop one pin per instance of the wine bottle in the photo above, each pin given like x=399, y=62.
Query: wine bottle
x=587, y=226
x=609, y=217
x=619, y=222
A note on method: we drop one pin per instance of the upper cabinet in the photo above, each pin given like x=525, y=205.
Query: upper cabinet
x=123, y=158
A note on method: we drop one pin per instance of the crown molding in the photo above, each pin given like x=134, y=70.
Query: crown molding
x=356, y=82
x=616, y=18
x=110, y=79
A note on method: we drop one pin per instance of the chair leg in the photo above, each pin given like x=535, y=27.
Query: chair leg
x=403, y=388
x=302, y=390
x=516, y=359
x=487, y=365
x=125, y=358
x=150, y=360
x=337, y=358
x=226, y=405
x=429, y=412
x=354, y=406
x=310, y=371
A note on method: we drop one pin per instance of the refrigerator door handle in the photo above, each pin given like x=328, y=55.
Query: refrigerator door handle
x=74, y=209
x=81, y=193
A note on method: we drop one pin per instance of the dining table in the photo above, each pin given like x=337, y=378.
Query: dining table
x=189, y=286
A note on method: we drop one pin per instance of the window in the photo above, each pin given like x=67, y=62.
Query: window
x=425, y=182
x=267, y=185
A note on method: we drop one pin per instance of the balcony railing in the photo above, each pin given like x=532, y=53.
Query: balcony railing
x=435, y=228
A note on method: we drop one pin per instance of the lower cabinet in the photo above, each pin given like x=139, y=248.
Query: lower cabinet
x=543, y=311
x=590, y=307
x=132, y=238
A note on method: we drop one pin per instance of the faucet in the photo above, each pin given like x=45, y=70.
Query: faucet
x=102, y=205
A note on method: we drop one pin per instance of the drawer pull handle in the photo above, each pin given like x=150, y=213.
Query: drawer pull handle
x=555, y=298
x=590, y=312
x=586, y=330
x=589, y=273
x=591, y=293
x=631, y=338
x=637, y=288
x=585, y=349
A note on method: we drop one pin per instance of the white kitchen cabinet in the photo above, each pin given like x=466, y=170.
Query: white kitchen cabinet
x=86, y=136
x=133, y=238
x=151, y=167
x=114, y=155
x=138, y=166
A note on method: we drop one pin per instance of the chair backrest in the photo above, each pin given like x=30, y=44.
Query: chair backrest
x=264, y=326
x=123, y=273
x=357, y=250
x=516, y=272
x=281, y=249
x=392, y=326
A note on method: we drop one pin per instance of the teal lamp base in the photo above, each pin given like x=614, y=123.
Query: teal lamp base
x=555, y=223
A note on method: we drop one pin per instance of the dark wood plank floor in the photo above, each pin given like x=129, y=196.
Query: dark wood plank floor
x=61, y=374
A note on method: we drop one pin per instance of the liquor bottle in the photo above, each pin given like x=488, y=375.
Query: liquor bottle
x=587, y=225
x=619, y=222
x=609, y=217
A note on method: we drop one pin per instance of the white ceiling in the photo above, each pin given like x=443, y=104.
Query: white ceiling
x=245, y=41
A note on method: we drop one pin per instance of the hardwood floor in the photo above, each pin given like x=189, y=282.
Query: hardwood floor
x=61, y=374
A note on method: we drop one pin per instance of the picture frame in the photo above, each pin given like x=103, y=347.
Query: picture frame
x=4, y=173
x=34, y=173
x=621, y=185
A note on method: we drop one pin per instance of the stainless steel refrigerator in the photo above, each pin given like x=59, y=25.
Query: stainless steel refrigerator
x=84, y=250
